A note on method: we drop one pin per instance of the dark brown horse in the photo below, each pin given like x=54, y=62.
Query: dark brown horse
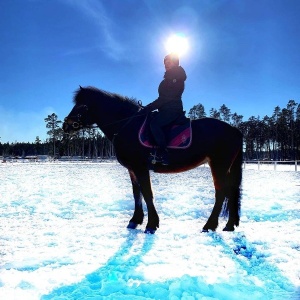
x=214, y=142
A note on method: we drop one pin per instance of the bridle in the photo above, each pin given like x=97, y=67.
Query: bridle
x=75, y=122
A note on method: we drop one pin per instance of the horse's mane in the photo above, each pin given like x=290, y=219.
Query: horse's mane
x=82, y=94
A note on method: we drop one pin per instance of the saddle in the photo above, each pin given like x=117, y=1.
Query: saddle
x=178, y=134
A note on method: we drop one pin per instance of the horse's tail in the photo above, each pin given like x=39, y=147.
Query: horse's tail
x=232, y=204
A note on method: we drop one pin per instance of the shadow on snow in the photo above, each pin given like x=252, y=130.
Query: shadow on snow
x=118, y=278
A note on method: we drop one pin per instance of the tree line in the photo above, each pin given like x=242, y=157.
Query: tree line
x=87, y=143
x=275, y=137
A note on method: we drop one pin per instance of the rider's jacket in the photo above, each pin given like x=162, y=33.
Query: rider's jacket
x=170, y=91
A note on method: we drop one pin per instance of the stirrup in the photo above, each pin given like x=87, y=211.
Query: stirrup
x=153, y=158
x=157, y=157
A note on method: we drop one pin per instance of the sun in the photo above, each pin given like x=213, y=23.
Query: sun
x=177, y=43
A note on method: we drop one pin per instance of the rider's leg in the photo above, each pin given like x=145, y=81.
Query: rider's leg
x=156, y=125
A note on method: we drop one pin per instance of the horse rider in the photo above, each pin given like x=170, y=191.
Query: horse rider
x=168, y=103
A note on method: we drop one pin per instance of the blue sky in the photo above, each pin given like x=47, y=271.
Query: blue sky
x=244, y=54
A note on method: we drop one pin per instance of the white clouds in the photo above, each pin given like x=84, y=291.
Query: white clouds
x=95, y=11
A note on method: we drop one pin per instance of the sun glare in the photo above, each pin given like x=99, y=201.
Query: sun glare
x=177, y=44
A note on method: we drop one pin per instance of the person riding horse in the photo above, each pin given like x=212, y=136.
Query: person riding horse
x=168, y=104
x=214, y=141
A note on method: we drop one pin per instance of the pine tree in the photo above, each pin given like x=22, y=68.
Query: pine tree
x=197, y=112
x=53, y=124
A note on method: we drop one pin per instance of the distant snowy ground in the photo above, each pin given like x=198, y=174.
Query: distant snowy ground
x=63, y=236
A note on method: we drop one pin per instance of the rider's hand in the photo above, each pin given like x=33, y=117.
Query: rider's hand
x=149, y=107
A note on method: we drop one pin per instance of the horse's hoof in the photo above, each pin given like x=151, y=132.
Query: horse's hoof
x=149, y=231
x=205, y=230
x=229, y=228
x=132, y=225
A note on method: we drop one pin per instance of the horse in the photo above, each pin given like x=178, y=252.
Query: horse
x=214, y=142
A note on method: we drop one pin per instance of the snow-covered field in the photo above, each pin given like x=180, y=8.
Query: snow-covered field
x=63, y=236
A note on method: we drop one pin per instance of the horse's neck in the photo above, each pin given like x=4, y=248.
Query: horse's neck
x=111, y=120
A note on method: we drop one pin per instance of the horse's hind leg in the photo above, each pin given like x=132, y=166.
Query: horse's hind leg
x=233, y=208
x=231, y=195
x=234, y=193
x=219, y=173
x=138, y=215
x=212, y=222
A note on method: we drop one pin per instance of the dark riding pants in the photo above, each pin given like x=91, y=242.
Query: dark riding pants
x=161, y=119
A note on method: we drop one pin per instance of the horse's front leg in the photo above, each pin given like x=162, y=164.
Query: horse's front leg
x=138, y=215
x=143, y=178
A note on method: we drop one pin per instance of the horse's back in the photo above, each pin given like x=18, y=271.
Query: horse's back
x=213, y=128
x=217, y=139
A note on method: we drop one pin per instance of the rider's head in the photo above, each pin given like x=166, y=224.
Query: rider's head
x=171, y=60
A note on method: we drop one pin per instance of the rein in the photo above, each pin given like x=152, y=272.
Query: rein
x=129, y=119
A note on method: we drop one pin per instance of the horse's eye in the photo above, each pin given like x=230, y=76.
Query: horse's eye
x=76, y=125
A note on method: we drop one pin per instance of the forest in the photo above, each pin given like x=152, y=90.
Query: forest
x=275, y=137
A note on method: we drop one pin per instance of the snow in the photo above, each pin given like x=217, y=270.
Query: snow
x=63, y=236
